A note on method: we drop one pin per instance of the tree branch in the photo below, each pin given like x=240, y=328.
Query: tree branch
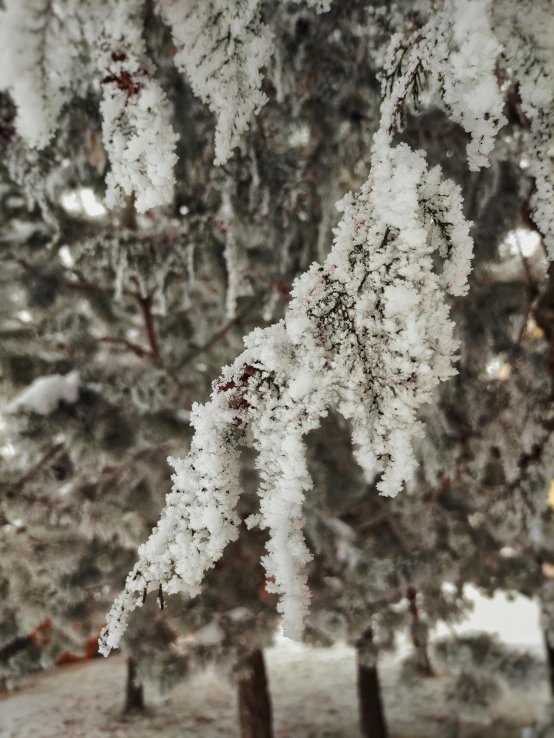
x=136, y=348
x=220, y=334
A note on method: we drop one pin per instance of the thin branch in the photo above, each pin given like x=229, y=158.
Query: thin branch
x=109, y=473
x=51, y=454
x=221, y=333
x=146, y=307
x=136, y=348
x=390, y=521
x=92, y=287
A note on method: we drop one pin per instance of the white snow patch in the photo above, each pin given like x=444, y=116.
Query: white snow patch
x=209, y=635
x=513, y=618
x=84, y=201
x=520, y=241
x=45, y=393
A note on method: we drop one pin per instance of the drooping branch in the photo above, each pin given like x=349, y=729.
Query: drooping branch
x=222, y=47
x=368, y=332
x=375, y=353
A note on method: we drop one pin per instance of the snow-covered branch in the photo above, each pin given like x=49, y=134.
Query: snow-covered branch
x=222, y=47
x=137, y=135
x=39, y=79
x=455, y=53
x=367, y=332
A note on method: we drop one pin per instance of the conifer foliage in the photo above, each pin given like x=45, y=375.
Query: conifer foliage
x=357, y=400
x=368, y=332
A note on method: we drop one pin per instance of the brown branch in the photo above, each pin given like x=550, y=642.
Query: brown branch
x=51, y=454
x=109, y=473
x=136, y=348
x=146, y=307
x=389, y=521
x=442, y=487
x=92, y=287
x=220, y=334
x=375, y=522
x=145, y=303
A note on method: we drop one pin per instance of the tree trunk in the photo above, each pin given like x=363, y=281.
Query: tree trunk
x=255, y=712
x=134, y=699
x=419, y=639
x=372, y=716
x=550, y=659
x=546, y=600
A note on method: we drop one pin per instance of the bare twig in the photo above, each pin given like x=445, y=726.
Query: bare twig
x=146, y=307
x=92, y=287
x=51, y=454
x=221, y=333
x=134, y=347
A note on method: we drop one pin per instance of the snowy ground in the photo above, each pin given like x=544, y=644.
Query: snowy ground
x=313, y=690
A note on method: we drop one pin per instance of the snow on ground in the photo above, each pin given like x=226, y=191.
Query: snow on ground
x=313, y=691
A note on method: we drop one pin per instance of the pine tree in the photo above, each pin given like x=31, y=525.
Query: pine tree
x=166, y=203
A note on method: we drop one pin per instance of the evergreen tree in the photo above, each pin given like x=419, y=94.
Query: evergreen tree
x=168, y=238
